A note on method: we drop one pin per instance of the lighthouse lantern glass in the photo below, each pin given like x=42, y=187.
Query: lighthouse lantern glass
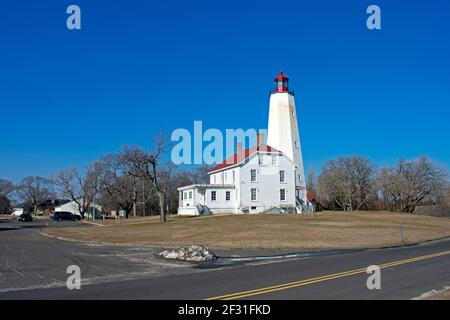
x=282, y=85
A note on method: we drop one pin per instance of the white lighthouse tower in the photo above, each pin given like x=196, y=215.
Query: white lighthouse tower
x=283, y=131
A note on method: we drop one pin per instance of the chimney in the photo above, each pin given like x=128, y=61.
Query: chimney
x=260, y=139
x=239, y=147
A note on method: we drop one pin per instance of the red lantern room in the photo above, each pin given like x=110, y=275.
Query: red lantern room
x=281, y=83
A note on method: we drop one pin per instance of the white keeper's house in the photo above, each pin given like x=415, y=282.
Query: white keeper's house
x=266, y=178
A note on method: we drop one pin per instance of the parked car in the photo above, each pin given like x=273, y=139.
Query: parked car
x=25, y=217
x=64, y=215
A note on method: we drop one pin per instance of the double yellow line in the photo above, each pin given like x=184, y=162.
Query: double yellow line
x=254, y=292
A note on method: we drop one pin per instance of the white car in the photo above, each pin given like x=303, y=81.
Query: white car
x=17, y=212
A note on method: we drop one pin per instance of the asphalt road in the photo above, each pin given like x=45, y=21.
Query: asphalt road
x=31, y=261
x=406, y=273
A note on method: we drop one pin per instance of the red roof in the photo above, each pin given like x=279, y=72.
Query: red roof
x=281, y=76
x=241, y=156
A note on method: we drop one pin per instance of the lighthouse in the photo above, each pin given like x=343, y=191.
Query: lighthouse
x=283, y=133
x=265, y=178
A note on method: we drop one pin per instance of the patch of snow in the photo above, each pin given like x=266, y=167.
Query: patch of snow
x=192, y=253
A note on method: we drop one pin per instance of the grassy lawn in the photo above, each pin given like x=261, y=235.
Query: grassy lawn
x=321, y=231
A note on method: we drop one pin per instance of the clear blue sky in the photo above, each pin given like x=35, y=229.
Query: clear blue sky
x=137, y=67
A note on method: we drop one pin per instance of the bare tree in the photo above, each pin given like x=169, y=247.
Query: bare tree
x=144, y=165
x=5, y=205
x=118, y=186
x=200, y=174
x=168, y=175
x=390, y=184
x=348, y=182
x=6, y=187
x=80, y=188
x=34, y=190
x=311, y=181
x=445, y=197
x=410, y=183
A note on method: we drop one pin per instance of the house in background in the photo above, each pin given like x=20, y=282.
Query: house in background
x=46, y=207
x=49, y=206
x=24, y=207
x=73, y=208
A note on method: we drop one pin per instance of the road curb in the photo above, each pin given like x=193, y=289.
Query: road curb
x=320, y=253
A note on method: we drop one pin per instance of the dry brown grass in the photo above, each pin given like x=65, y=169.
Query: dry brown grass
x=443, y=295
x=131, y=220
x=325, y=230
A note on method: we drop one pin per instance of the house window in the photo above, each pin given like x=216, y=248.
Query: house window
x=299, y=177
x=227, y=195
x=253, y=175
x=181, y=194
x=274, y=159
x=213, y=196
x=190, y=194
x=282, y=194
x=282, y=176
x=253, y=194
x=260, y=159
x=185, y=195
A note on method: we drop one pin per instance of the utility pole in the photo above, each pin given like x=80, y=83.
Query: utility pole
x=143, y=198
x=93, y=206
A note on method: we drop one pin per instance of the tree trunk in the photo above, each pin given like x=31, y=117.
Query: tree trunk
x=162, y=210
